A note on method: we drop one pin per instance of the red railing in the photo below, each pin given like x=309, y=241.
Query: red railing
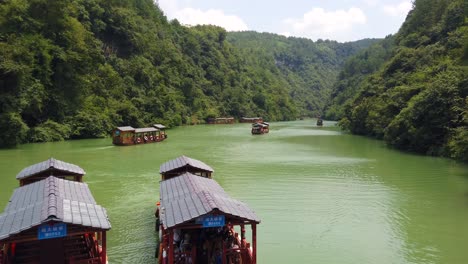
x=185, y=257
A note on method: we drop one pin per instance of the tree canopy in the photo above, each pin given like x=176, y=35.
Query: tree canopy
x=76, y=69
x=411, y=89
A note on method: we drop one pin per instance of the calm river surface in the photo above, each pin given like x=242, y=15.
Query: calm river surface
x=323, y=196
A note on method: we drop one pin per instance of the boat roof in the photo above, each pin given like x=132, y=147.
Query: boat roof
x=159, y=126
x=50, y=164
x=145, y=129
x=183, y=161
x=187, y=197
x=126, y=128
x=259, y=125
x=51, y=199
x=251, y=118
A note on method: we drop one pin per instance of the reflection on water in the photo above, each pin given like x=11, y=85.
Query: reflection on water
x=323, y=196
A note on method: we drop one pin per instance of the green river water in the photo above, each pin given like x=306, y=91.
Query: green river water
x=323, y=196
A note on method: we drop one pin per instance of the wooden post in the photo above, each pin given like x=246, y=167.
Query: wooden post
x=254, y=243
x=171, y=247
x=104, y=248
x=224, y=252
x=242, y=232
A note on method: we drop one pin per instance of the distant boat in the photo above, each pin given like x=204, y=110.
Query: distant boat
x=319, y=121
x=220, y=120
x=251, y=120
x=260, y=128
x=128, y=135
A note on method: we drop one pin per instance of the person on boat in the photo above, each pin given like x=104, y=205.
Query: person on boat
x=218, y=256
x=204, y=254
x=185, y=244
x=177, y=238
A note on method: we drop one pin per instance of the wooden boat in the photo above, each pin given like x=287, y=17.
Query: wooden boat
x=319, y=121
x=260, y=128
x=197, y=220
x=128, y=135
x=251, y=120
x=53, y=220
x=220, y=120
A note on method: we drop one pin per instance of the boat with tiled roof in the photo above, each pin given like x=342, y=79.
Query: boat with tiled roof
x=51, y=219
x=197, y=220
x=127, y=135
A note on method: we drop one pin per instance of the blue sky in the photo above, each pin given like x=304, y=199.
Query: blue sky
x=341, y=20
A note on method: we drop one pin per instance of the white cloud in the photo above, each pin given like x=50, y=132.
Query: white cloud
x=169, y=7
x=319, y=23
x=399, y=10
x=191, y=16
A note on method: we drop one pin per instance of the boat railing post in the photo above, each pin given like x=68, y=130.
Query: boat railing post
x=242, y=232
x=104, y=248
x=224, y=252
x=254, y=243
x=171, y=246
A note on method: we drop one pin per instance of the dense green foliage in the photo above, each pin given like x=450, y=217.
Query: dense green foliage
x=307, y=69
x=76, y=69
x=411, y=89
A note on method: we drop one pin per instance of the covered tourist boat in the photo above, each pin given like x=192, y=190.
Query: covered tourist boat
x=128, y=135
x=319, y=121
x=220, y=120
x=260, y=128
x=251, y=120
x=57, y=168
x=53, y=220
x=197, y=220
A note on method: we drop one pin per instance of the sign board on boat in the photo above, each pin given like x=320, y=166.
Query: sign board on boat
x=48, y=231
x=213, y=221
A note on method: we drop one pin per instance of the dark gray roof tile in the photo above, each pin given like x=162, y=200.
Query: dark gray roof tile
x=186, y=197
x=51, y=199
x=181, y=162
x=50, y=164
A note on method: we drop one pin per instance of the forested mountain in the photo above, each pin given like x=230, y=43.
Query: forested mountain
x=412, y=88
x=309, y=68
x=76, y=69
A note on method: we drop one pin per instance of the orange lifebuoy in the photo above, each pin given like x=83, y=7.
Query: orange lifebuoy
x=138, y=140
x=146, y=138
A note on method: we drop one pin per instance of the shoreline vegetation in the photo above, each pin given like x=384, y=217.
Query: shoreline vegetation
x=78, y=69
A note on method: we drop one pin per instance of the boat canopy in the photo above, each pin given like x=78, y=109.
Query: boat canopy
x=188, y=197
x=181, y=162
x=52, y=200
x=126, y=128
x=146, y=130
x=159, y=126
x=55, y=166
